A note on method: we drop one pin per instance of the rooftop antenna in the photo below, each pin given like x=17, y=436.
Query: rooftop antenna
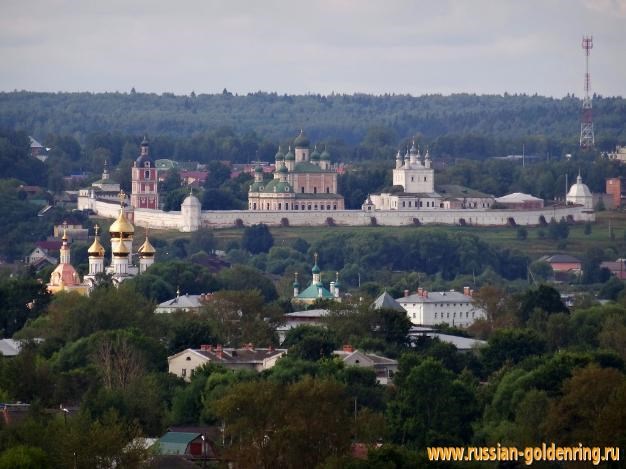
x=586, y=125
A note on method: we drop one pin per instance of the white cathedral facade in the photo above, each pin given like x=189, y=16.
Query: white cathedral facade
x=414, y=189
x=121, y=266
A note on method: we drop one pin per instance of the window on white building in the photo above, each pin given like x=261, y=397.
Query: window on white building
x=183, y=372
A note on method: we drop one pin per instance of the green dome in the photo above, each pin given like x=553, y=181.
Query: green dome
x=256, y=187
x=296, y=284
x=277, y=186
x=290, y=156
x=301, y=141
x=325, y=155
x=315, y=269
x=283, y=170
x=315, y=156
x=279, y=156
x=258, y=169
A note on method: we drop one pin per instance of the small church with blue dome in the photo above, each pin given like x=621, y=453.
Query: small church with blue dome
x=316, y=289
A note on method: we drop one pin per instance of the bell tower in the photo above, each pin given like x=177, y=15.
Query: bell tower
x=144, y=180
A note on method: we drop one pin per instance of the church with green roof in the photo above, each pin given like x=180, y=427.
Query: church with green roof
x=302, y=181
x=316, y=289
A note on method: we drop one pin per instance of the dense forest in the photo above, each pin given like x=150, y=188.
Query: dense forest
x=460, y=125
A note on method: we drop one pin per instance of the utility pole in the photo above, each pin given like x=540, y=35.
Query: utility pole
x=586, y=125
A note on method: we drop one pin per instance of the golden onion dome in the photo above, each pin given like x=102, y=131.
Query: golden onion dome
x=146, y=249
x=122, y=225
x=120, y=249
x=96, y=249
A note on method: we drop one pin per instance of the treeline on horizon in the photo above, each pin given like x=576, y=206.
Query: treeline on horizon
x=455, y=126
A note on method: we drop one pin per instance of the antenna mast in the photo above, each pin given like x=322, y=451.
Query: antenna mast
x=586, y=124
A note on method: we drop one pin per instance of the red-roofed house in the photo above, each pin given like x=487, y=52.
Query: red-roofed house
x=196, y=178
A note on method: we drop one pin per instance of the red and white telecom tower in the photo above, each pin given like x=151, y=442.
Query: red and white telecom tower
x=586, y=124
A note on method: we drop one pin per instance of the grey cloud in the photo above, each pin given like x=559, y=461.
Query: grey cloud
x=401, y=46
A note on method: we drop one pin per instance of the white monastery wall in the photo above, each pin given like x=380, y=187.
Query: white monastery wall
x=227, y=218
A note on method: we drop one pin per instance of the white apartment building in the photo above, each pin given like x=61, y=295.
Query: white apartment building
x=426, y=308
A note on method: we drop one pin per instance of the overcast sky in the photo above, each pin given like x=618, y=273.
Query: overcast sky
x=318, y=46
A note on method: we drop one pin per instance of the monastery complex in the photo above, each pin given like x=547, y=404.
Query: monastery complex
x=304, y=192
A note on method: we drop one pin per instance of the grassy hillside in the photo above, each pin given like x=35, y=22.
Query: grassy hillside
x=577, y=243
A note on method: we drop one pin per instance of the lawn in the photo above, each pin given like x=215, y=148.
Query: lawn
x=577, y=243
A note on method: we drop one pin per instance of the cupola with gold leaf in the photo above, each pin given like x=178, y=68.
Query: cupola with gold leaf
x=96, y=255
x=146, y=254
x=121, y=227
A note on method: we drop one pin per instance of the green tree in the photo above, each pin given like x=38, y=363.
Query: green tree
x=257, y=238
x=309, y=342
x=240, y=277
x=585, y=398
x=511, y=346
x=202, y=240
x=431, y=407
x=21, y=299
x=221, y=199
x=218, y=174
x=544, y=298
x=271, y=425
x=240, y=317
x=171, y=182
x=24, y=457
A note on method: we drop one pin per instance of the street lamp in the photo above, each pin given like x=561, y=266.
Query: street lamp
x=203, y=450
x=65, y=412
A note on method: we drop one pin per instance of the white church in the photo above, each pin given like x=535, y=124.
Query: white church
x=414, y=177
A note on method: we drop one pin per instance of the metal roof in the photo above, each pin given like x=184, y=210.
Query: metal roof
x=517, y=197
x=436, y=297
x=176, y=442
x=386, y=301
x=310, y=313
x=9, y=347
x=183, y=302
x=312, y=291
